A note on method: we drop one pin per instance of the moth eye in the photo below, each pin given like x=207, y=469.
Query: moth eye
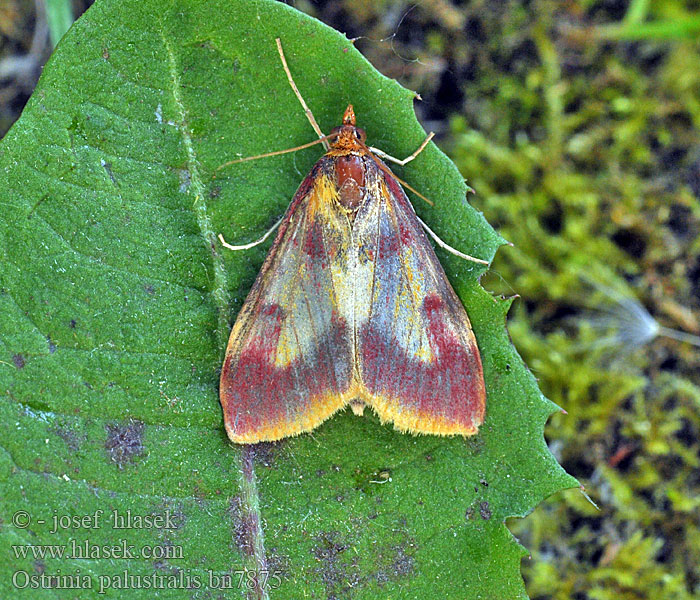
x=360, y=134
x=335, y=131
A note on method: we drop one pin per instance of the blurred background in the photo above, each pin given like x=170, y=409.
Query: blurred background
x=577, y=123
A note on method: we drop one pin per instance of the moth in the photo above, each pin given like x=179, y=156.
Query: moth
x=351, y=307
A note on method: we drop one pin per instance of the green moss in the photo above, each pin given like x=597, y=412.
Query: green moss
x=587, y=160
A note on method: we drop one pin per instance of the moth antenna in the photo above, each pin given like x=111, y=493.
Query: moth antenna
x=449, y=248
x=307, y=110
x=277, y=152
x=408, y=159
x=414, y=190
x=252, y=244
x=401, y=181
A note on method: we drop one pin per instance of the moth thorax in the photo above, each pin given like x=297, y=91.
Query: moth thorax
x=350, y=175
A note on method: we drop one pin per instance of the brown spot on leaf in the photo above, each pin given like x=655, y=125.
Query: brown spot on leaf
x=485, y=511
x=70, y=436
x=243, y=526
x=18, y=361
x=124, y=441
x=340, y=570
x=337, y=573
x=403, y=563
x=278, y=563
x=264, y=453
x=162, y=564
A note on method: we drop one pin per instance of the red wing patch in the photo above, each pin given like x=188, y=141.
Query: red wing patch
x=418, y=359
x=289, y=359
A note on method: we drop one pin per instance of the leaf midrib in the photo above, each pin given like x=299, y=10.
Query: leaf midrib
x=250, y=497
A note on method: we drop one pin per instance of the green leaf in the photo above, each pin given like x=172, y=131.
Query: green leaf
x=117, y=302
x=59, y=16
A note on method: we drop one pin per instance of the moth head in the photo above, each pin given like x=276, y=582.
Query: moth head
x=348, y=136
x=349, y=132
